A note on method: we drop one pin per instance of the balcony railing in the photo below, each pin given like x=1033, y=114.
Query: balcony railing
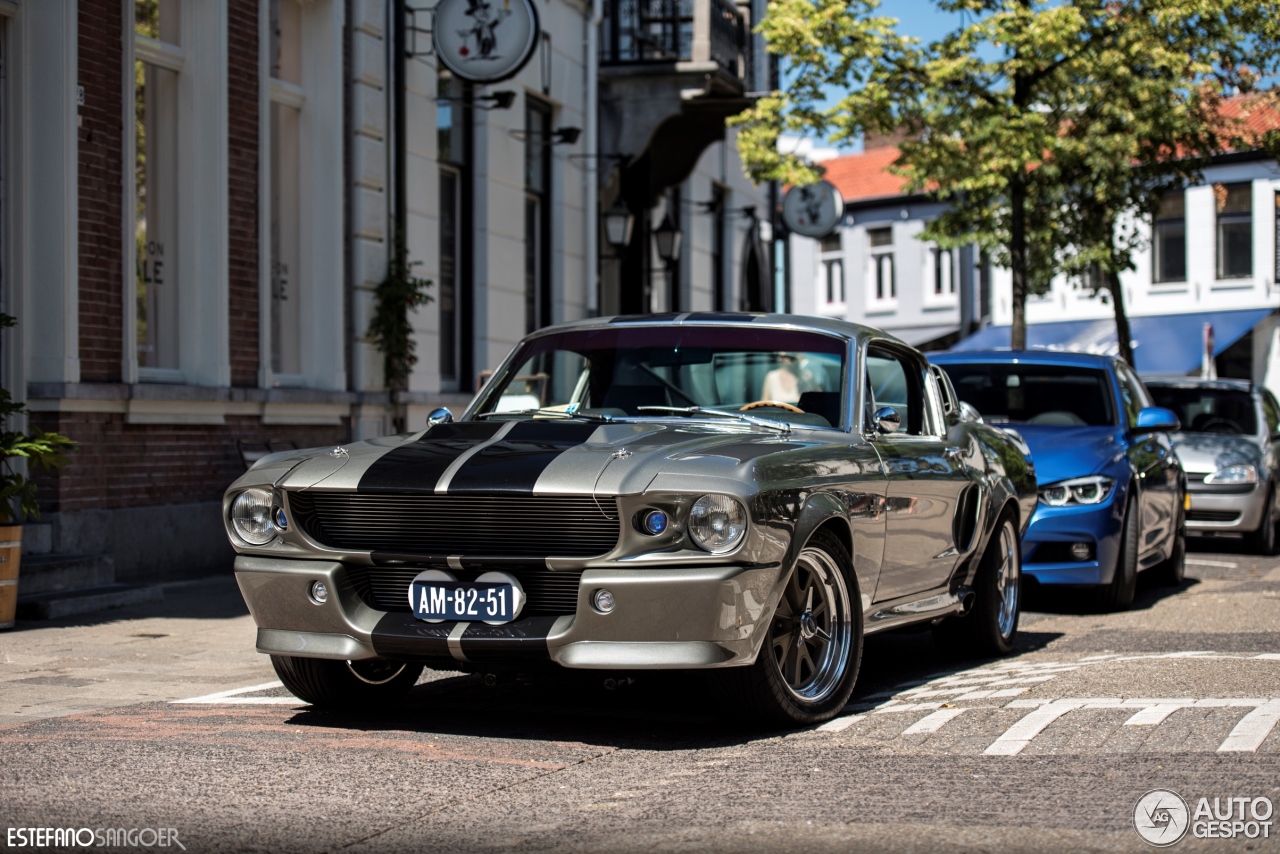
x=666, y=31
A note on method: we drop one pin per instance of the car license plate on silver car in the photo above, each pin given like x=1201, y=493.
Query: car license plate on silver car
x=463, y=600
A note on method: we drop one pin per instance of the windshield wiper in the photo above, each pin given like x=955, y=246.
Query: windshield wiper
x=597, y=417
x=780, y=426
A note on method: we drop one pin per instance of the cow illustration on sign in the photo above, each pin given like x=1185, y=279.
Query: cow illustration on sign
x=812, y=202
x=485, y=22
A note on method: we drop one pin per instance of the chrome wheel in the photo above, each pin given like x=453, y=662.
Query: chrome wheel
x=1008, y=574
x=812, y=631
x=375, y=671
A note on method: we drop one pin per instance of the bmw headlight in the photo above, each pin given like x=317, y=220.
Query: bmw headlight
x=717, y=523
x=1241, y=473
x=251, y=514
x=1080, y=490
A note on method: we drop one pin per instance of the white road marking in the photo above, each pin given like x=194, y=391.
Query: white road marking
x=932, y=722
x=1269, y=656
x=840, y=724
x=1032, y=724
x=1253, y=729
x=233, y=695
x=1225, y=564
x=1153, y=715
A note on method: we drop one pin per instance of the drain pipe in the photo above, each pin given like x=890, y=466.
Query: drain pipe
x=592, y=201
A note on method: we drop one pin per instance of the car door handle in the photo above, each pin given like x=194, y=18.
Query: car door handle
x=954, y=453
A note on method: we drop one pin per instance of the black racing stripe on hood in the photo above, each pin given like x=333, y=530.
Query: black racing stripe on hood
x=515, y=464
x=417, y=467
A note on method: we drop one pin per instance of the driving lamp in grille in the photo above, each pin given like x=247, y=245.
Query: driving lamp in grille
x=251, y=516
x=717, y=523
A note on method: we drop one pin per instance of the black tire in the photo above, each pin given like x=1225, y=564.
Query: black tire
x=1170, y=571
x=1118, y=595
x=762, y=691
x=1263, y=540
x=991, y=626
x=370, y=684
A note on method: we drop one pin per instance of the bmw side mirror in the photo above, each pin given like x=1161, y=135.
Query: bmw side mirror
x=439, y=416
x=887, y=420
x=1155, y=419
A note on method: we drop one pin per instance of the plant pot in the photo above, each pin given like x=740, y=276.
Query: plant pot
x=10, y=558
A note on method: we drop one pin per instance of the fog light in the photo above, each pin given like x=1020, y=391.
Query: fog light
x=282, y=521
x=1081, y=551
x=319, y=592
x=654, y=522
x=602, y=601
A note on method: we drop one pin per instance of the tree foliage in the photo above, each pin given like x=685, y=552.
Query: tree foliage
x=390, y=329
x=1043, y=123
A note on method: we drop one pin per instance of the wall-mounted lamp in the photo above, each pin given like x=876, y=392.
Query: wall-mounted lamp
x=566, y=135
x=618, y=222
x=667, y=238
x=500, y=100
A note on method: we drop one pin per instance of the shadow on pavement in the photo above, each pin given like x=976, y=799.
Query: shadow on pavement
x=1068, y=600
x=213, y=598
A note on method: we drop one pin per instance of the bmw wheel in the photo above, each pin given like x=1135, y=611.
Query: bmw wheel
x=992, y=624
x=1173, y=569
x=366, y=684
x=807, y=666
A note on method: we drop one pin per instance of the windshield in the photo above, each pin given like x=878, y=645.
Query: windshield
x=789, y=375
x=1054, y=395
x=1209, y=410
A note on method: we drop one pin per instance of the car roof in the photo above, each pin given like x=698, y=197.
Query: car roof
x=828, y=325
x=1194, y=382
x=1023, y=357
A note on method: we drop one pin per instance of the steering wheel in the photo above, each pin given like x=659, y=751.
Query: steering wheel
x=1216, y=425
x=775, y=403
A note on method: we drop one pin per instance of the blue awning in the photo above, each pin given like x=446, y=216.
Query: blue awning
x=1167, y=344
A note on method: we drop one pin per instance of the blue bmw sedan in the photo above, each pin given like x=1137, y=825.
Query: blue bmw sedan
x=1112, y=493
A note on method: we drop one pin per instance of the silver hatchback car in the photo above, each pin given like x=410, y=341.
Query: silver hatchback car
x=1228, y=447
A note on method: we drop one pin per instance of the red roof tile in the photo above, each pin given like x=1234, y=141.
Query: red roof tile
x=866, y=175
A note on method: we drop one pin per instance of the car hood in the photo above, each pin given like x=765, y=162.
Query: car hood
x=550, y=457
x=1066, y=452
x=1204, y=453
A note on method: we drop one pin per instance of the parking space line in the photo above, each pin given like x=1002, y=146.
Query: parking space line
x=932, y=722
x=1032, y=724
x=1253, y=729
x=234, y=696
x=1224, y=564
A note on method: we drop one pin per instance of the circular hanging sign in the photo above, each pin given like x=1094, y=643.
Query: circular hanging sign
x=813, y=211
x=485, y=41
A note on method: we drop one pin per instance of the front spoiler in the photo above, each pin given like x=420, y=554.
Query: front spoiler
x=695, y=617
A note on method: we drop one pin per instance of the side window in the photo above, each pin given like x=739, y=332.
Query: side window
x=949, y=404
x=1271, y=411
x=894, y=381
x=1130, y=395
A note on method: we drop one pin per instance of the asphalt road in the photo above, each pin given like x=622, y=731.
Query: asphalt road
x=1047, y=750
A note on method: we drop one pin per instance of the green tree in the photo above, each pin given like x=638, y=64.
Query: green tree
x=390, y=329
x=991, y=107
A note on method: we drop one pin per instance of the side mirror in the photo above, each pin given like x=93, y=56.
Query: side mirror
x=969, y=414
x=439, y=416
x=1155, y=419
x=887, y=420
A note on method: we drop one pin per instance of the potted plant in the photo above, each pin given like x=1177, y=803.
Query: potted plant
x=47, y=451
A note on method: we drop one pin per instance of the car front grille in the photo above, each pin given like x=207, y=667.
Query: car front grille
x=548, y=592
x=524, y=526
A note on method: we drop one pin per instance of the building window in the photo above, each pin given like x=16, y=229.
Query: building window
x=831, y=272
x=939, y=277
x=158, y=62
x=719, y=200
x=451, y=153
x=537, y=215
x=1235, y=230
x=1169, y=239
x=884, y=288
x=287, y=99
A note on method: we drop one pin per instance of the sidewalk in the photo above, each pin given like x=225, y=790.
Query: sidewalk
x=198, y=640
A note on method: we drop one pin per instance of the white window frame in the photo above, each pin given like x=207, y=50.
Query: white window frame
x=875, y=303
x=825, y=260
x=318, y=279
x=950, y=295
x=202, y=207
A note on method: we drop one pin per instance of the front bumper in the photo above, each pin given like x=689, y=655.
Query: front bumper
x=696, y=617
x=1052, y=530
x=1226, y=510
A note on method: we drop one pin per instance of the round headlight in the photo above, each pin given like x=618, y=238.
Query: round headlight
x=251, y=516
x=717, y=523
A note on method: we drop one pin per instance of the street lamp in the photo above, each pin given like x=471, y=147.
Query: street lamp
x=667, y=237
x=618, y=222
